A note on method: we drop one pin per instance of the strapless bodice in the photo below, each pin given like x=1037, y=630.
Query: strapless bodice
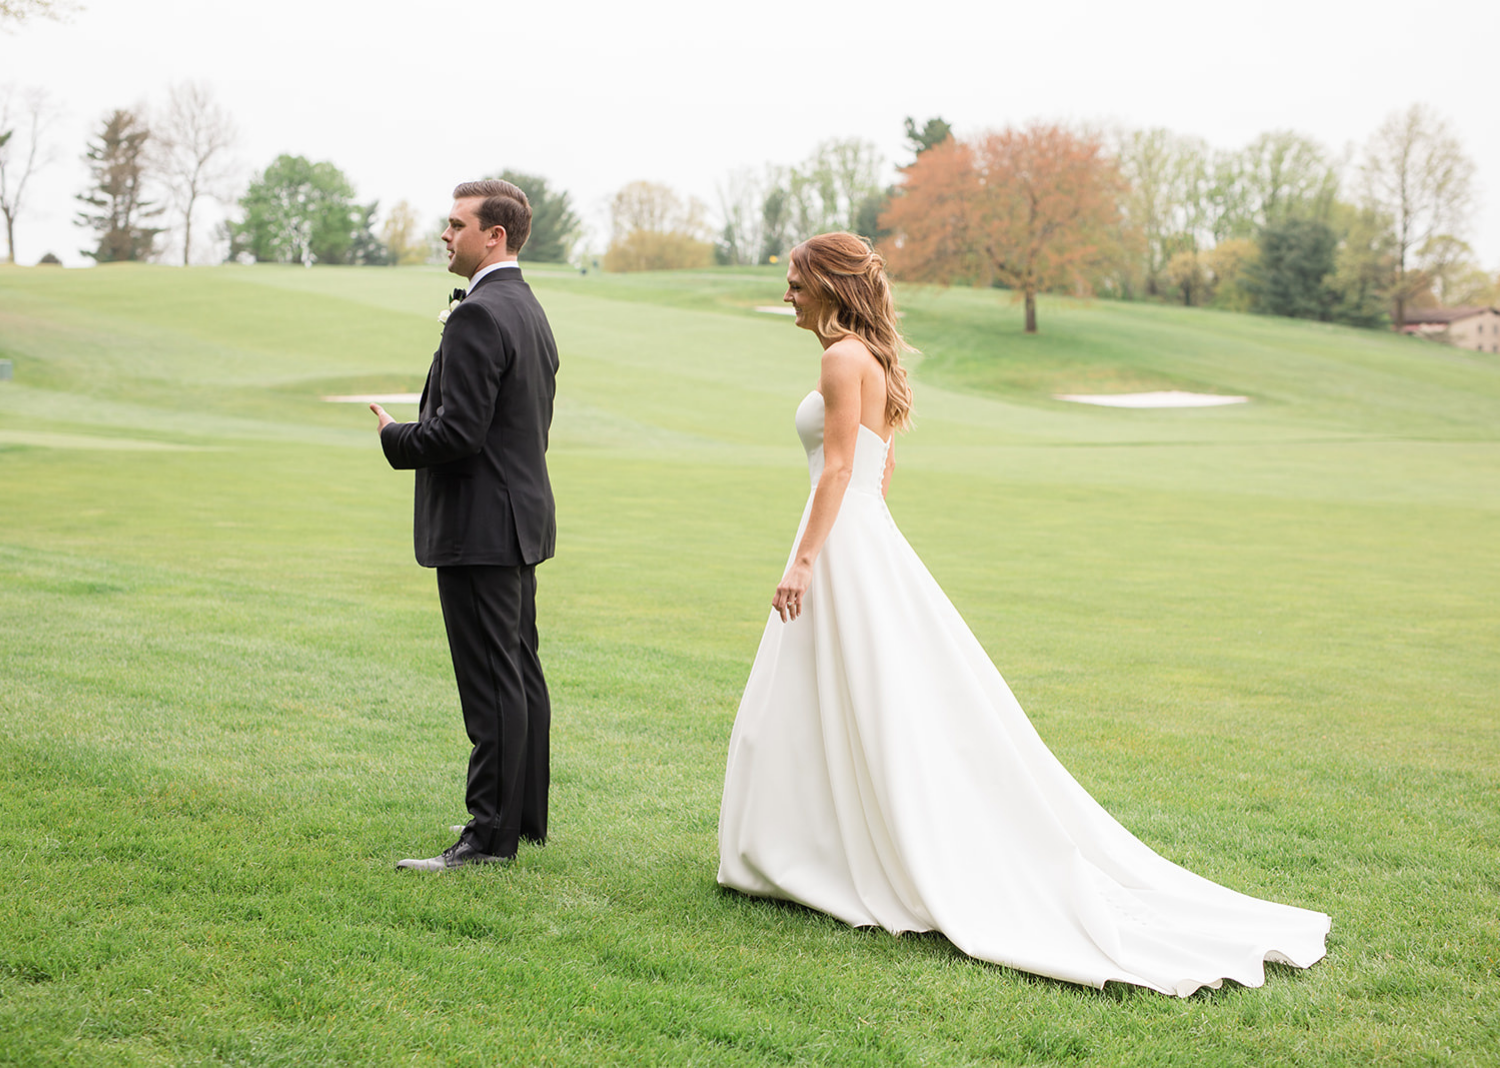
x=869, y=449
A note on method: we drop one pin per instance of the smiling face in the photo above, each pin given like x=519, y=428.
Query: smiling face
x=801, y=298
x=469, y=245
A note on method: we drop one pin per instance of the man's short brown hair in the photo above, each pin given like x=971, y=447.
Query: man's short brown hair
x=504, y=205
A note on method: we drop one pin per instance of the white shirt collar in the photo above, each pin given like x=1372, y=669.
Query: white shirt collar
x=486, y=270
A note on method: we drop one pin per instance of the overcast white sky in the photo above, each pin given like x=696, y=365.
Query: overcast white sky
x=410, y=98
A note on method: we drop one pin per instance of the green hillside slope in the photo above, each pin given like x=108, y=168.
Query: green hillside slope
x=1265, y=636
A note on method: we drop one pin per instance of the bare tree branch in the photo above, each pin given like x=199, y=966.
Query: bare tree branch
x=1416, y=172
x=25, y=116
x=742, y=197
x=192, y=139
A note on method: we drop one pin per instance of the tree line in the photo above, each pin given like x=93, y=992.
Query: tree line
x=1280, y=226
x=151, y=170
x=761, y=213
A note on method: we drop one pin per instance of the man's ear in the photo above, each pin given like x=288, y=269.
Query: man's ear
x=498, y=233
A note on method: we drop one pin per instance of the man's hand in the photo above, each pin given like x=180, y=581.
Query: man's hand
x=383, y=416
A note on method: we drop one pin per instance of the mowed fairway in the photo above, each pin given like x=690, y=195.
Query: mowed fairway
x=1265, y=637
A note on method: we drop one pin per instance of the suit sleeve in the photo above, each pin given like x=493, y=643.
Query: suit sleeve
x=474, y=356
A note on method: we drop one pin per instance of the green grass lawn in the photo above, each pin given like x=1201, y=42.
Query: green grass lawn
x=1266, y=637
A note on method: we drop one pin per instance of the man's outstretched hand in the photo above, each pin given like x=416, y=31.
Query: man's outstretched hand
x=383, y=416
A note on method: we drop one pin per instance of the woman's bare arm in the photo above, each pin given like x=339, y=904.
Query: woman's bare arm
x=844, y=364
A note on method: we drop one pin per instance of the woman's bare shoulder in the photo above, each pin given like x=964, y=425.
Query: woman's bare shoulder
x=849, y=353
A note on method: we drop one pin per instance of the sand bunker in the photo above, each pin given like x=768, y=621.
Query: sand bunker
x=776, y=309
x=1169, y=398
x=377, y=398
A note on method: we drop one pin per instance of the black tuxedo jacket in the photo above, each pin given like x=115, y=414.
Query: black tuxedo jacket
x=479, y=446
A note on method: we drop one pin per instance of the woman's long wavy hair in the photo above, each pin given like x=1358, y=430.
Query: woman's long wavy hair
x=848, y=278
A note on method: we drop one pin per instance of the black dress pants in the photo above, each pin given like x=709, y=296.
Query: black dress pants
x=490, y=616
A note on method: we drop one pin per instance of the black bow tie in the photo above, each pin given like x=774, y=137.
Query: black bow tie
x=458, y=294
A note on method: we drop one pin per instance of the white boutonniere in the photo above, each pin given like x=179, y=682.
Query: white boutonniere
x=454, y=300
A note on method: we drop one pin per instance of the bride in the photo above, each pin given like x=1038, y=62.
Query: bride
x=880, y=769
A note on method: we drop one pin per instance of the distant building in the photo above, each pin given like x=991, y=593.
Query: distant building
x=1468, y=328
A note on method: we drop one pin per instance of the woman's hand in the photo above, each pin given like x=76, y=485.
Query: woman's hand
x=788, y=599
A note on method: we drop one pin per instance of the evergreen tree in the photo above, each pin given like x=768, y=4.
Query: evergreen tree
x=117, y=166
x=554, y=226
x=1292, y=274
x=775, y=219
x=867, y=216
x=933, y=133
x=365, y=248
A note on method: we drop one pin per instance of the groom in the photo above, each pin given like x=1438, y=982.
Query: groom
x=484, y=515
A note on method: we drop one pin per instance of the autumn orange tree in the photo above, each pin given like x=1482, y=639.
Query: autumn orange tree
x=1033, y=209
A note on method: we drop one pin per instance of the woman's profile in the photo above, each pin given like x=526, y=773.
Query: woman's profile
x=880, y=769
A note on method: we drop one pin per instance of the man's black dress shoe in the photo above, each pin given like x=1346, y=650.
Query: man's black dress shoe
x=460, y=854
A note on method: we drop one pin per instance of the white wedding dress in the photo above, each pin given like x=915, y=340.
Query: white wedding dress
x=881, y=771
